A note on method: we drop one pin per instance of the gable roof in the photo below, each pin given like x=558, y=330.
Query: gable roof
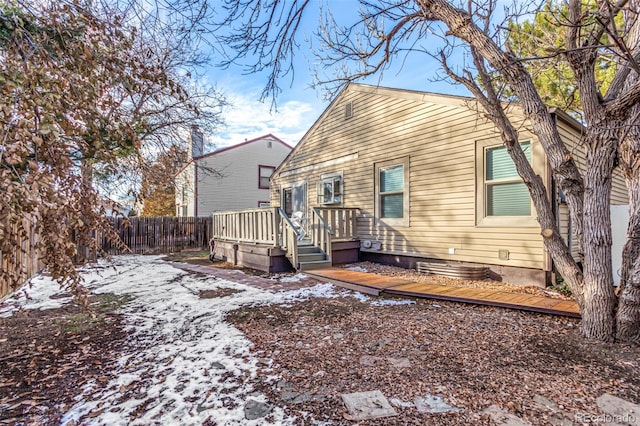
x=229, y=148
x=402, y=93
x=415, y=95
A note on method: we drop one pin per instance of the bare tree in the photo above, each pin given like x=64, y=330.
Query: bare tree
x=384, y=31
x=82, y=89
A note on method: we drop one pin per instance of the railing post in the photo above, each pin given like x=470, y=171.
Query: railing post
x=276, y=226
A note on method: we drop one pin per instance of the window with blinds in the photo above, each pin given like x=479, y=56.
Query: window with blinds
x=392, y=191
x=506, y=194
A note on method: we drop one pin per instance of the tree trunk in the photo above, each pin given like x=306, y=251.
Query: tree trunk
x=598, y=312
x=628, y=315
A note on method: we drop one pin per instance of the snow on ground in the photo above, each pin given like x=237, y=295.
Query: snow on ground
x=190, y=350
x=391, y=302
x=356, y=268
x=37, y=295
x=186, y=373
x=290, y=279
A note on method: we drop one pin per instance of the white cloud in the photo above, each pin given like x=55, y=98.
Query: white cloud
x=247, y=118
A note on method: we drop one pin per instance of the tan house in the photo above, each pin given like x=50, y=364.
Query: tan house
x=407, y=177
x=230, y=178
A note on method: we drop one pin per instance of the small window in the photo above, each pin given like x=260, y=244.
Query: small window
x=392, y=192
x=330, y=190
x=506, y=194
x=264, y=204
x=264, y=173
x=185, y=194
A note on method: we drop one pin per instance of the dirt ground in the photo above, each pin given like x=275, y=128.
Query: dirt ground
x=472, y=356
x=48, y=355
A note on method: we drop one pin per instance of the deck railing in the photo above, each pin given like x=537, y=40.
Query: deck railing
x=341, y=221
x=258, y=226
x=290, y=237
x=271, y=226
x=321, y=232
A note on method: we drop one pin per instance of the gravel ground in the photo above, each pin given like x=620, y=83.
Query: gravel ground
x=413, y=275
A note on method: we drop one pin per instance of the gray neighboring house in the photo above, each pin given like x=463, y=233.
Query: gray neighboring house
x=230, y=178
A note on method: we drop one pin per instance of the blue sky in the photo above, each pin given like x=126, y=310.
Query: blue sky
x=299, y=106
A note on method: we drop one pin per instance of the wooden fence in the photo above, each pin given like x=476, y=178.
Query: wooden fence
x=21, y=262
x=160, y=234
x=140, y=234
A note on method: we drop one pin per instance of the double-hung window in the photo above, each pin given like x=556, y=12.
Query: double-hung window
x=264, y=173
x=392, y=192
x=504, y=198
x=506, y=194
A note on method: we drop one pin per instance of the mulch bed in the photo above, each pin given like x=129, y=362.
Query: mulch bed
x=473, y=356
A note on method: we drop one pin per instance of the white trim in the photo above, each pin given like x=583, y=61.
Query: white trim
x=482, y=220
x=404, y=220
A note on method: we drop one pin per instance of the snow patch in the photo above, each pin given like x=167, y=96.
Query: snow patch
x=293, y=279
x=41, y=293
x=389, y=302
x=356, y=268
x=177, y=375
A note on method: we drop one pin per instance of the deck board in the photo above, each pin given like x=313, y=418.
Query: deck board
x=375, y=284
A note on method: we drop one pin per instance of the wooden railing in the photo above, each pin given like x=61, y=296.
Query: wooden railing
x=271, y=226
x=290, y=237
x=258, y=226
x=341, y=221
x=321, y=232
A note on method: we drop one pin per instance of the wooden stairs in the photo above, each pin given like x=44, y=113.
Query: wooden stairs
x=311, y=257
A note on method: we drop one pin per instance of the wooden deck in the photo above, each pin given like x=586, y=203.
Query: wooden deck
x=376, y=284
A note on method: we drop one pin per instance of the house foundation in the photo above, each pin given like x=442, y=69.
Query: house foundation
x=507, y=274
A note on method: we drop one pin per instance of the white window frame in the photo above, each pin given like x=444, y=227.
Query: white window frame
x=484, y=220
x=400, y=221
x=337, y=196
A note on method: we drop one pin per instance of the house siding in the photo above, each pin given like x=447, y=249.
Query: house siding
x=185, y=179
x=619, y=194
x=228, y=180
x=438, y=135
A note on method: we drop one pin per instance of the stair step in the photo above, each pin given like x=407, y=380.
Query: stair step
x=318, y=264
x=311, y=257
x=309, y=250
